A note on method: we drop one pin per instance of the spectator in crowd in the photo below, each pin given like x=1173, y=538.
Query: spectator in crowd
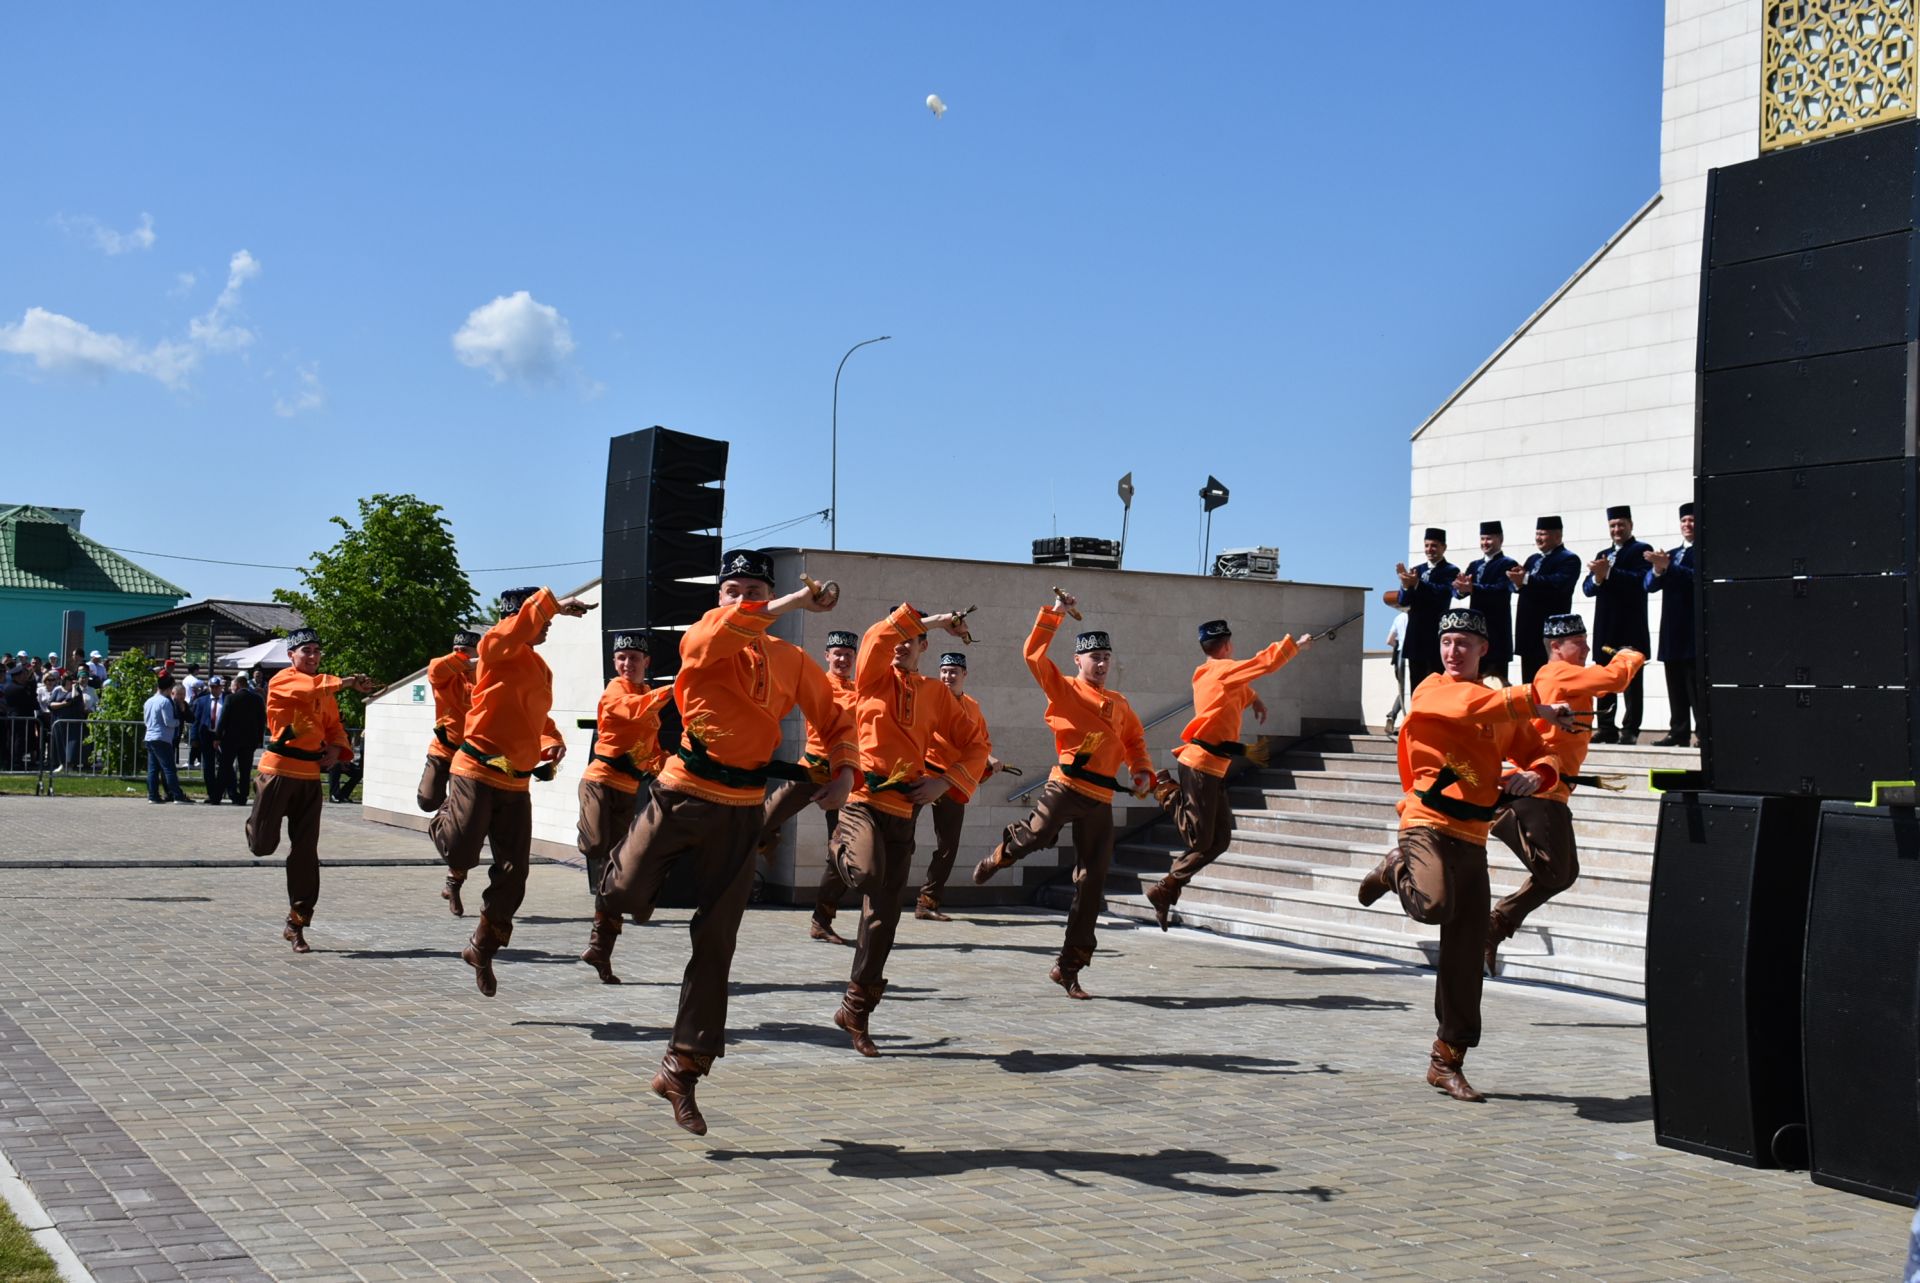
x=1397, y=653
x=163, y=732
x=21, y=710
x=191, y=689
x=96, y=670
x=205, y=740
x=90, y=694
x=241, y=728
x=67, y=712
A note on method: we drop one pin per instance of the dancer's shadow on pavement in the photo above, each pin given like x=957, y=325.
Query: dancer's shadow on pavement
x=1024, y=1061
x=1168, y=1169
x=816, y=1035
x=825, y=988
x=1320, y=1002
x=1315, y=971
x=508, y=955
x=1595, y=1109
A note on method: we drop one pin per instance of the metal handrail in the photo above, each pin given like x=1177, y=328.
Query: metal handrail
x=1146, y=726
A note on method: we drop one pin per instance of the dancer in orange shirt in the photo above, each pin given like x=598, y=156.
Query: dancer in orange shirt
x=1222, y=692
x=509, y=738
x=708, y=805
x=790, y=797
x=1539, y=829
x=1452, y=743
x=451, y=677
x=900, y=712
x=626, y=754
x=950, y=808
x=304, y=741
x=1096, y=733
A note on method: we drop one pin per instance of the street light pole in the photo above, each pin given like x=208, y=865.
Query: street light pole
x=833, y=501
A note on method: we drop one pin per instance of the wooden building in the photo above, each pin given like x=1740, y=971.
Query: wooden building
x=198, y=632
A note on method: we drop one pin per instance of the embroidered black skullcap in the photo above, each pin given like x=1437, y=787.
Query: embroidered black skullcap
x=630, y=639
x=1492, y=528
x=1549, y=523
x=954, y=659
x=1686, y=509
x=1091, y=641
x=302, y=636
x=1436, y=534
x=840, y=637
x=1558, y=626
x=745, y=563
x=1464, y=621
x=1214, y=630
x=1620, y=512
x=512, y=599
x=466, y=637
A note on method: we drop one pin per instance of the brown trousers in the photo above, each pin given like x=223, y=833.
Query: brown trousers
x=1204, y=816
x=432, y=793
x=949, y=817
x=606, y=813
x=1540, y=831
x=721, y=841
x=476, y=813
x=873, y=851
x=277, y=798
x=1092, y=823
x=1442, y=880
x=785, y=802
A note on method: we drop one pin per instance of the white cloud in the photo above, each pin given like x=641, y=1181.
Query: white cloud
x=108, y=241
x=214, y=331
x=66, y=346
x=309, y=396
x=183, y=283
x=515, y=337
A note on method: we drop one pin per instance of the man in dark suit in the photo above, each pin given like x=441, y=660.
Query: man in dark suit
x=1491, y=588
x=1426, y=593
x=241, y=728
x=205, y=713
x=1617, y=581
x=1672, y=573
x=1545, y=586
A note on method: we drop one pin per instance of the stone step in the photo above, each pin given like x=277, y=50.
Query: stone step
x=1271, y=783
x=1532, y=955
x=1626, y=817
x=1158, y=845
x=1363, y=825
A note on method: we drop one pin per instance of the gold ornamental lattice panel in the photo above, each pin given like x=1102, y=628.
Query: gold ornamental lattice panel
x=1831, y=66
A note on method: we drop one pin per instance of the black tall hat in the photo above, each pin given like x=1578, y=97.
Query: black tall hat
x=1492, y=528
x=1436, y=534
x=1620, y=512
x=512, y=599
x=631, y=639
x=1464, y=620
x=1091, y=641
x=840, y=637
x=746, y=563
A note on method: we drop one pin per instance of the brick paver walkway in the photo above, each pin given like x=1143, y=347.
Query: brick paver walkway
x=171, y=1077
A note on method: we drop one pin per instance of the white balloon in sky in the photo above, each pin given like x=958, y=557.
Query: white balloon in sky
x=935, y=106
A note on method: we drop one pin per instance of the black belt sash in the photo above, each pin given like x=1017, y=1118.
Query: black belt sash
x=280, y=746
x=440, y=733
x=621, y=763
x=544, y=771
x=1074, y=770
x=1226, y=748
x=1453, y=807
x=693, y=754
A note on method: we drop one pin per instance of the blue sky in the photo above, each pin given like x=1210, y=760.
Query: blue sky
x=257, y=263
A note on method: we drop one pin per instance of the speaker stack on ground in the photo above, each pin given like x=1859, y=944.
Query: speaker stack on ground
x=1808, y=514
x=665, y=500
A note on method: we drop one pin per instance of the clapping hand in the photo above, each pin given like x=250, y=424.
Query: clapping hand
x=1599, y=568
x=1659, y=560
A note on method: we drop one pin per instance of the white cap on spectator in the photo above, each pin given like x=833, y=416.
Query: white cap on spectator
x=93, y=654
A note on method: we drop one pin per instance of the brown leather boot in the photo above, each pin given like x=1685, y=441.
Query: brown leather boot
x=1444, y=1071
x=983, y=872
x=927, y=909
x=599, y=954
x=821, y=926
x=855, y=1006
x=1379, y=879
x=1163, y=895
x=679, y=1071
x=1498, y=931
x=451, y=894
x=486, y=941
x=295, y=931
x=1068, y=978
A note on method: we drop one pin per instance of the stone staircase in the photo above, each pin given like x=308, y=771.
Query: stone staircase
x=1308, y=826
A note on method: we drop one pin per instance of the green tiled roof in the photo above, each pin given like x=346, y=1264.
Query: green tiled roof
x=39, y=551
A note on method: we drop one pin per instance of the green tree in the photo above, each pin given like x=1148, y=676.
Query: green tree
x=130, y=681
x=388, y=596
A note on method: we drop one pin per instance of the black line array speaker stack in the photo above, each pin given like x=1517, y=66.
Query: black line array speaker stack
x=665, y=500
x=1805, y=463
x=1783, y=938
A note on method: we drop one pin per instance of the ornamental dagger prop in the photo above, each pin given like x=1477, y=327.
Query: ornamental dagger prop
x=1328, y=633
x=824, y=594
x=960, y=622
x=1060, y=599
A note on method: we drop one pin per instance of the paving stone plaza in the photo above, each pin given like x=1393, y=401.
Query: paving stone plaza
x=188, y=1099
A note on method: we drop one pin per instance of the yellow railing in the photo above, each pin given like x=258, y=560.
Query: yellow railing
x=1832, y=66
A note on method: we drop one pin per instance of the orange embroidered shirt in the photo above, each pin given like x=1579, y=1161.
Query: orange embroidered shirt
x=900, y=713
x=512, y=695
x=1084, y=718
x=941, y=753
x=845, y=695
x=1558, y=682
x=1458, y=723
x=627, y=723
x=1222, y=690
x=309, y=709
x=451, y=677
x=735, y=685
